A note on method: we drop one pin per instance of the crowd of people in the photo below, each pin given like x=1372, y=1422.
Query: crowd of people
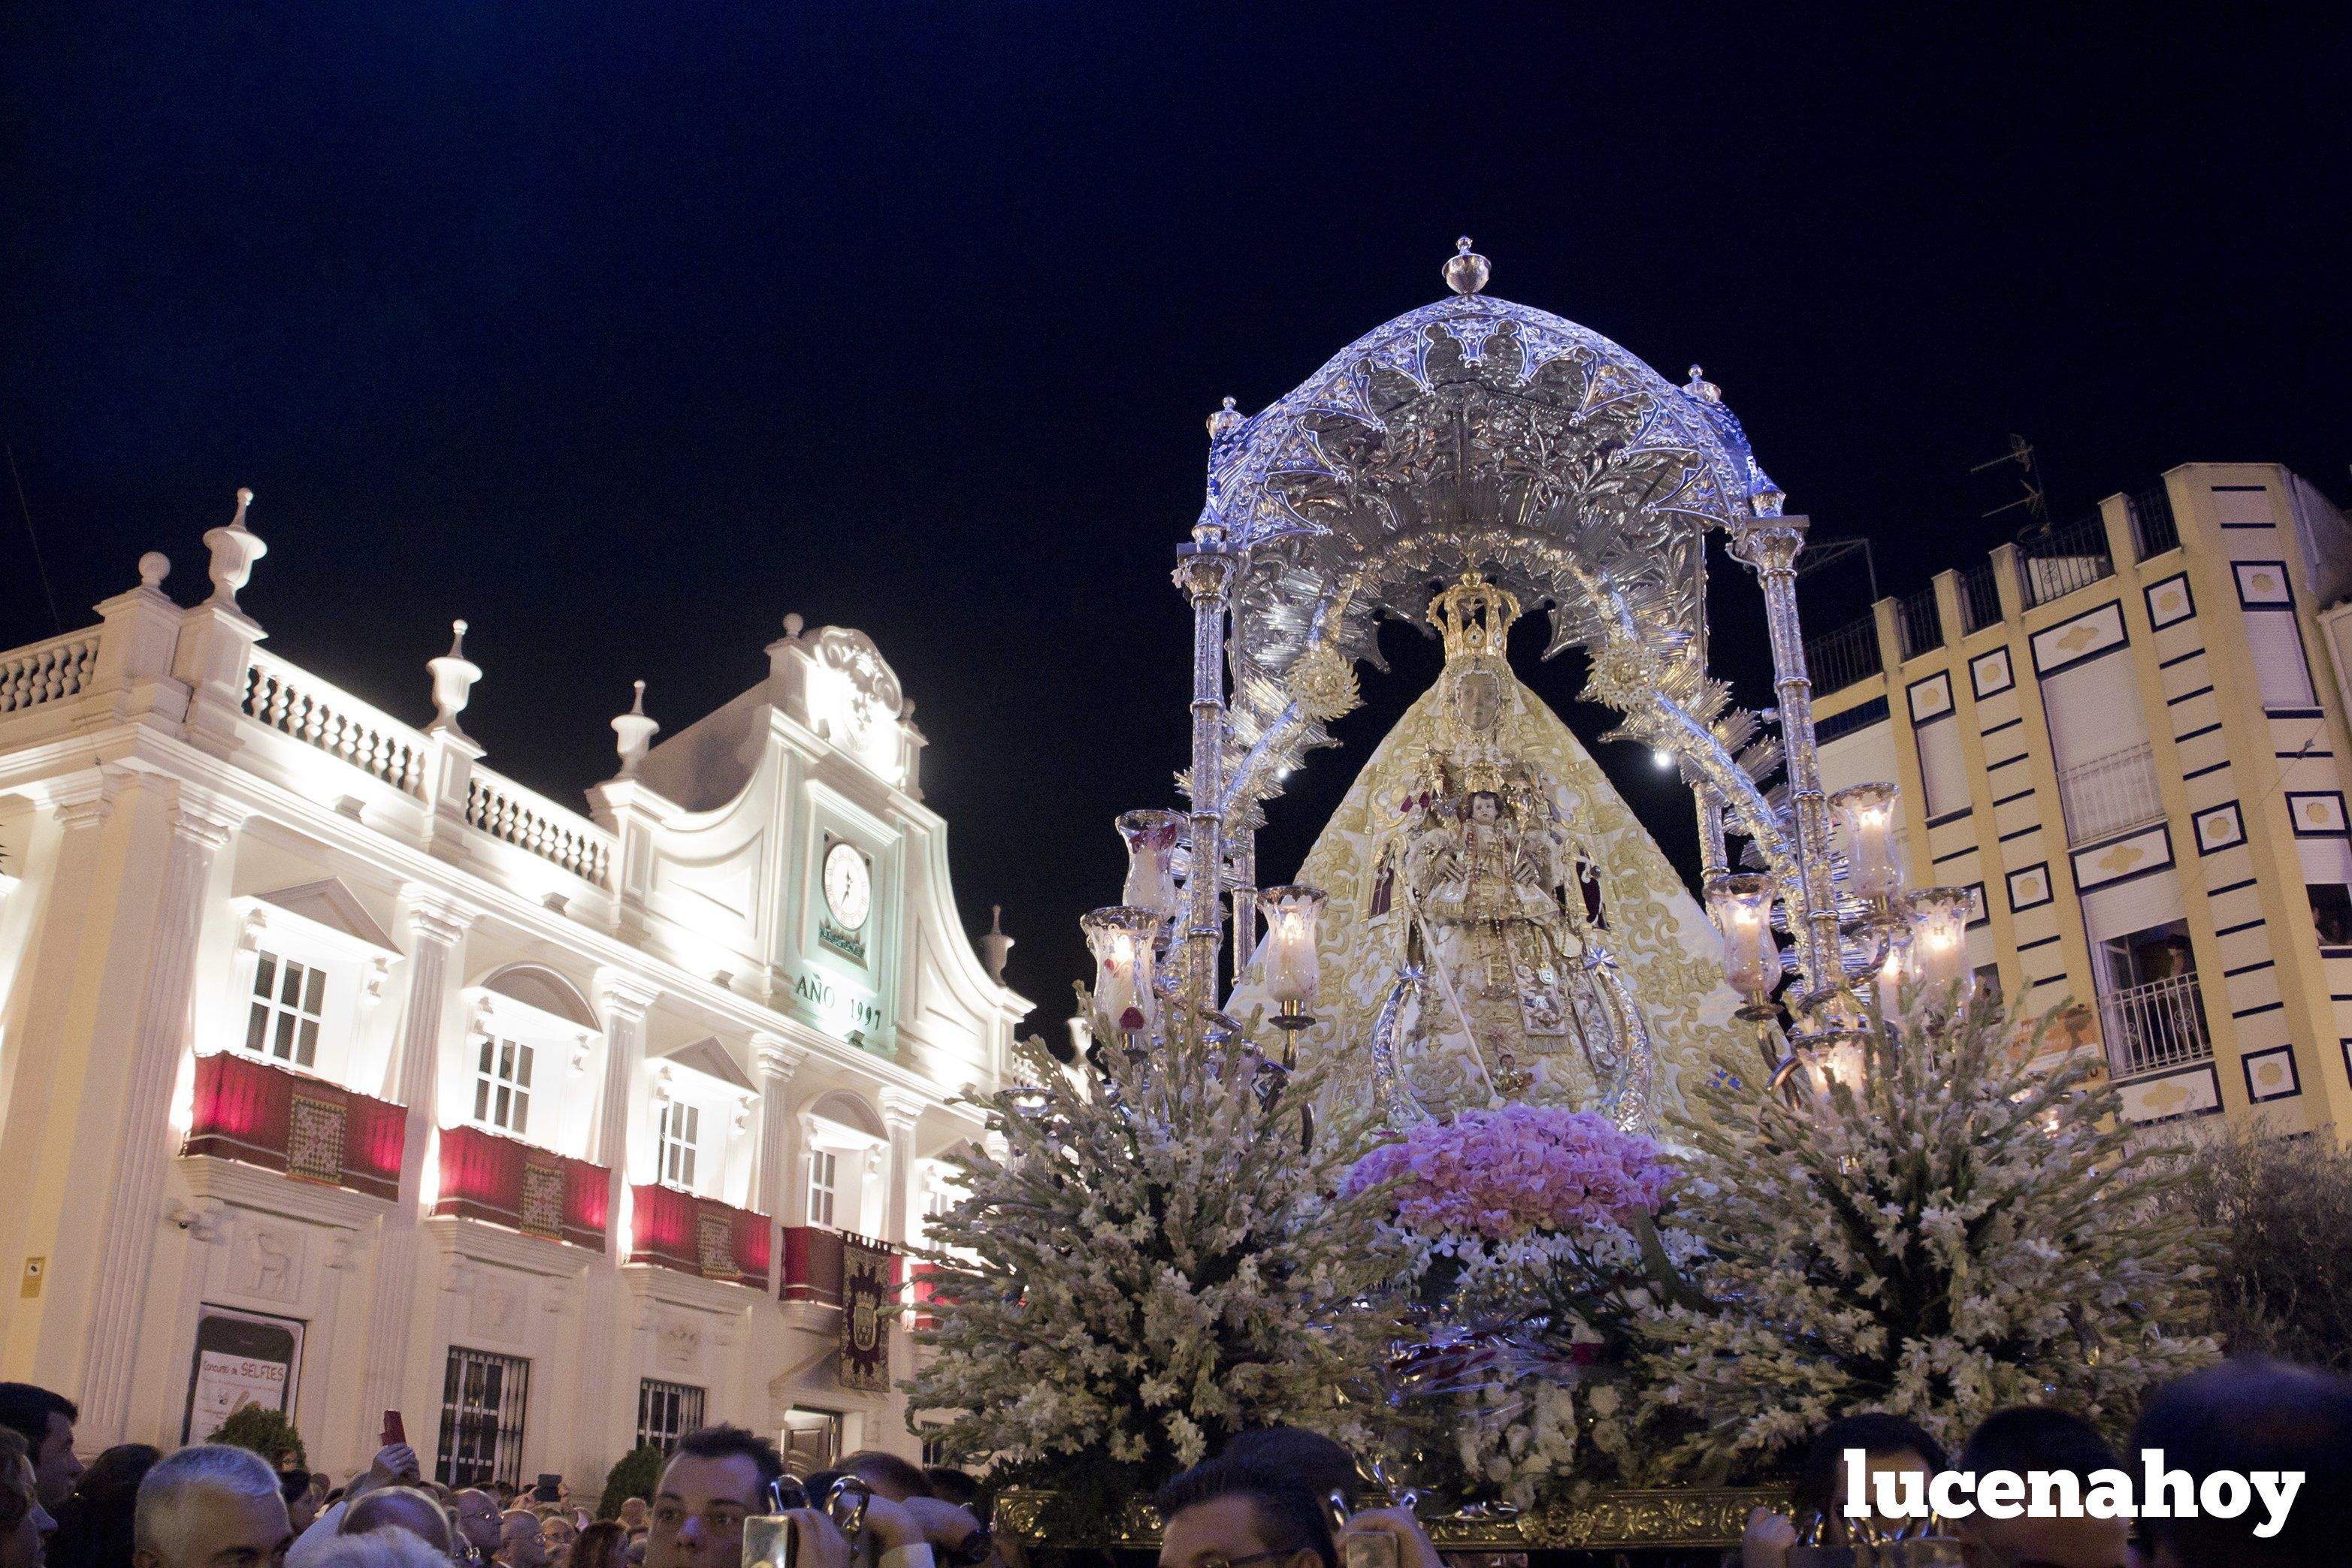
x=1280, y=1498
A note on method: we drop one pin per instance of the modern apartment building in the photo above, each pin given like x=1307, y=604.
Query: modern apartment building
x=2127, y=737
x=341, y=1073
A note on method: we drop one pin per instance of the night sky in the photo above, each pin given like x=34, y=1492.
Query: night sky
x=621, y=332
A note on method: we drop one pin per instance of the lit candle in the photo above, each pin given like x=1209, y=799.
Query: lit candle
x=1866, y=812
x=1151, y=838
x=1742, y=908
x=1120, y=939
x=1938, y=963
x=1289, y=964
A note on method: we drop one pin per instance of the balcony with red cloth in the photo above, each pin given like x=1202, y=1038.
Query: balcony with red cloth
x=259, y=1113
x=488, y=1175
x=921, y=1292
x=813, y=1265
x=698, y=1236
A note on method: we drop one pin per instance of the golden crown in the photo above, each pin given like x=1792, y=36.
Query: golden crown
x=1474, y=617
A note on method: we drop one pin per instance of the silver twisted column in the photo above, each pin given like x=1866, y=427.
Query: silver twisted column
x=1770, y=547
x=1204, y=570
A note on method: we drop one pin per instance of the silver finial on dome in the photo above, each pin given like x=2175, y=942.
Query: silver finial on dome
x=1467, y=272
x=1224, y=422
x=1700, y=387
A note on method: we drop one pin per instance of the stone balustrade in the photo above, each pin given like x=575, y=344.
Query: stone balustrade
x=47, y=672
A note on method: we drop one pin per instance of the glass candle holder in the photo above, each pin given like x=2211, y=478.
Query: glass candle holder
x=1866, y=812
x=1119, y=937
x=1289, y=959
x=1151, y=836
x=1938, y=961
x=1741, y=907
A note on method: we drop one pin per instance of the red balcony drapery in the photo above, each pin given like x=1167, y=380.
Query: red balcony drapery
x=488, y=1175
x=259, y=1113
x=698, y=1235
x=813, y=1265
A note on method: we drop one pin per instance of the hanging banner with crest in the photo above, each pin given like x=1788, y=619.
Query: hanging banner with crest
x=866, y=1286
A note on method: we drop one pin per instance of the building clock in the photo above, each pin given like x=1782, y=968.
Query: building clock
x=850, y=892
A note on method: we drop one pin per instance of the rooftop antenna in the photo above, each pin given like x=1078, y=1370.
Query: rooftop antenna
x=2035, y=502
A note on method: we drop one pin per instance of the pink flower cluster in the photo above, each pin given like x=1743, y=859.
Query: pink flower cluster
x=1504, y=1174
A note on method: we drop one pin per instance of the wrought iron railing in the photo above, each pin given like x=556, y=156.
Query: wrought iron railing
x=1979, y=597
x=2157, y=1025
x=2052, y=561
x=1842, y=657
x=2154, y=529
x=1922, y=622
x=2109, y=795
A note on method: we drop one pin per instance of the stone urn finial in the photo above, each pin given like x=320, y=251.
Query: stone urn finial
x=454, y=676
x=235, y=550
x=633, y=732
x=995, y=946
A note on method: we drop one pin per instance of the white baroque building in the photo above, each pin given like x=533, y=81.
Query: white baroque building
x=341, y=1073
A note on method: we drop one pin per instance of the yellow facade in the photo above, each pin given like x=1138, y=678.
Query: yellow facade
x=2129, y=738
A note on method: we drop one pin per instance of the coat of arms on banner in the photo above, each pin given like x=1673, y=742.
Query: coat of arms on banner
x=865, y=1290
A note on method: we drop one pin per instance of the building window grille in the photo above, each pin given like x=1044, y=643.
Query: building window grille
x=667, y=1412
x=483, y=1400
x=824, y=1187
x=289, y=1001
x=2110, y=795
x=2150, y=1012
x=502, y=1085
x=681, y=1130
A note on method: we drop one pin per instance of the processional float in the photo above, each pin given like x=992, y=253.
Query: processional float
x=1464, y=462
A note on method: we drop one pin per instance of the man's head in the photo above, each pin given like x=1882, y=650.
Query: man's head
x=377, y=1549
x=24, y=1524
x=1305, y=1459
x=717, y=1476
x=889, y=1476
x=1229, y=1509
x=211, y=1507
x=399, y=1507
x=1890, y=1443
x=45, y=1422
x=2036, y=1438
x=477, y=1518
x=2254, y=1415
x=522, y=1543
x=633, y=1513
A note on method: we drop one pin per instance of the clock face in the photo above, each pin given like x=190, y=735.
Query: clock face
x=849, y=886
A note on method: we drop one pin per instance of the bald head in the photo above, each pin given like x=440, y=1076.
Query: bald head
x=521, y=1543
x=399, y=1507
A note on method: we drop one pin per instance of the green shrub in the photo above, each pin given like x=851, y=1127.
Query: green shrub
x=267, y=1432
x=636, y=1474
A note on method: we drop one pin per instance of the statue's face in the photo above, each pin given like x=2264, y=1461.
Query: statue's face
x=1482, y=809
x=1477, y=701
